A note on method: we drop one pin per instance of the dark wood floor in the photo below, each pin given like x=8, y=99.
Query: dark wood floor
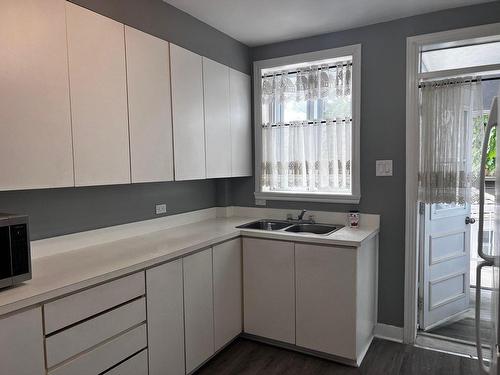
x=247, y=357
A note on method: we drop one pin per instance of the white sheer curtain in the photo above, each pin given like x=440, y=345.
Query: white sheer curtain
x=307, y=129
x=449, y=111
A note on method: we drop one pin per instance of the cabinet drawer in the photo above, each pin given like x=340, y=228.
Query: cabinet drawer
x=105, y=356
x=76, y=307
x=74, y=340
x=137, y=365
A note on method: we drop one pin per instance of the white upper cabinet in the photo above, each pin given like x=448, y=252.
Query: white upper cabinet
x=217, y=121
x=98, y=87
x=35, y=123
x=241, y=128
x=187, y=114
x=150, y=116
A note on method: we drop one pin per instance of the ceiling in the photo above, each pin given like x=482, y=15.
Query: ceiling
x=258, y=22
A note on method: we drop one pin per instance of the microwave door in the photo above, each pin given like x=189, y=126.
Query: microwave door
x=5, y=258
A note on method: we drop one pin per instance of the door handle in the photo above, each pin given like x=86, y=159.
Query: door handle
x=469, y=220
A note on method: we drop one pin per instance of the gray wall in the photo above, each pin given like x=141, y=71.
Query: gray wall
x=60, y=211
x=383, y=69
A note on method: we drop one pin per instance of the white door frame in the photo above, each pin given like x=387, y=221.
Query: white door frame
x=414, y=44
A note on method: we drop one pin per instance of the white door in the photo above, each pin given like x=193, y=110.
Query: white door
x=165, y=319
x=326, y=279
x=198, y=308
x=227, y=291
x=444, y=263
x=98, y=92
x=241, y=126
x=21, y=343
x=269, y=289
x=149, y=106
x=35, y=123
x=187, y=114
x=217, y=124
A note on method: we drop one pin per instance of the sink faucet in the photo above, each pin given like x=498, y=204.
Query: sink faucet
x=301, y=215
x=300, y=218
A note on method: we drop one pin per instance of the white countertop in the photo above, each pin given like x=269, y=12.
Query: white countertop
x=64, y=273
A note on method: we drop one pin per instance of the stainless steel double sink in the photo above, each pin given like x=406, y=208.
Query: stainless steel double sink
x=290, y=226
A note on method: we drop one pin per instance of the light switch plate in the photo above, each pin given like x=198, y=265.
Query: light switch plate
x=383, y=168
x=161, y=209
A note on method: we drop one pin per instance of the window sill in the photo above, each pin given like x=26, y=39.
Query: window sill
x=305, y=197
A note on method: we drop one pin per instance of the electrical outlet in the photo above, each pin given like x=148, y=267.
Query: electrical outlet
x=260, y=202
x=161, y=209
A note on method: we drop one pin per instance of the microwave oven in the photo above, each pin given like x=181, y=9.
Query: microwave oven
x=15, y=251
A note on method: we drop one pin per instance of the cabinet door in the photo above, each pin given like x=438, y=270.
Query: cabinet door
x=217, y=122
x=96, y=51
x=21, y=343
x=227, y=291
x=241, y=127
x=165, y=319
x=326, y=295
x=35, y=123
x=269, y=290
x=187, y=114
x=198, y=308
x=149, y=106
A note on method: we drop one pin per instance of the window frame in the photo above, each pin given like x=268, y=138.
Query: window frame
x=258, y=66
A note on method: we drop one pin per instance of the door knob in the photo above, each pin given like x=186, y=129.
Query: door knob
x=469, y=220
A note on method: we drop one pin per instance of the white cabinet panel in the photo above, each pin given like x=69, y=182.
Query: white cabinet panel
x=76, y=339
x=35, y=123
x=150, y=117
x=228, y=301
x=96, y=50
x=82, y=305
x=187, y=114
x=198, y=308
x=269, y=290
x=21, y=344
x=105, y=356
x=217, y=121
x=165, y=319
x=326, y=299
x=241, y=127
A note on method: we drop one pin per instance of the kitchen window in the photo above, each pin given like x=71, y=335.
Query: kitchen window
x=307, y=126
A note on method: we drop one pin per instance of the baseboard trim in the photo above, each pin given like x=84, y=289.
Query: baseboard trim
x=388, y=332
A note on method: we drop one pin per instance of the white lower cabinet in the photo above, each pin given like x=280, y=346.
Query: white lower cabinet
x=326, y=299
x=269, y=290
x=21, y=344
x=228, y=296
x=316, y=297
x=165, y=319
x=198, y=308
